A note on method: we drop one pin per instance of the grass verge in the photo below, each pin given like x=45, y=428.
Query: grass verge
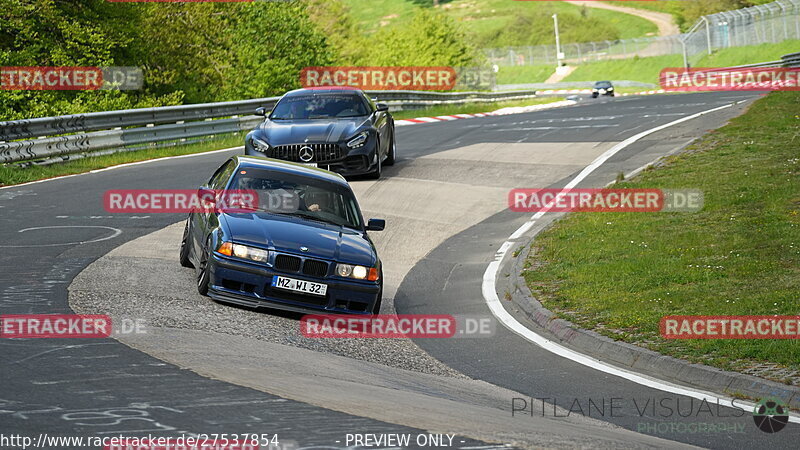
x=524, y=74
x=619, y=273
x=13, y=174
x=647, y=69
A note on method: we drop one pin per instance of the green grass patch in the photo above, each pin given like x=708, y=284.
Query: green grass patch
x=470, y=108
x=498, y=23
x=647, y=69
x=619, y=273
x=13, y=174
x=751, y=54
x=524, y=74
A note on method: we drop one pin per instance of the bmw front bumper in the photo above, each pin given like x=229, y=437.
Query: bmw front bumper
x=250, y=285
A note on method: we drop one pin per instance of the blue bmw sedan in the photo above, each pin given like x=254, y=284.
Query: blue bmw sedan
x=301, y=246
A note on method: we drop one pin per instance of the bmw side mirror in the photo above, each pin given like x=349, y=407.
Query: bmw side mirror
x=382, y=106
x=376, y=225
x=261, y=111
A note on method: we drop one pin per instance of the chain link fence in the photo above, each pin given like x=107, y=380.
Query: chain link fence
x=585, y=52
x=769, y=23
x=772, y=22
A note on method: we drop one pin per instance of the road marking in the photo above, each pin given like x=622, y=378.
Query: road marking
x=488, y=288
x=116, y=233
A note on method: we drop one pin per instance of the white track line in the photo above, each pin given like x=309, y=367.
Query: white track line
x=489, y=291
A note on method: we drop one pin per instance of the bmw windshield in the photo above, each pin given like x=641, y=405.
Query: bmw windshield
x=320, y=106
x=281, y=193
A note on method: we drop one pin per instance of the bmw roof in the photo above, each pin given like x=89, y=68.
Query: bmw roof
x=258, y=162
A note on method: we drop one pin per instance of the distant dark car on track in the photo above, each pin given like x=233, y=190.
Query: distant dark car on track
x=308, y=252
x=339, y=129
x=602, y=88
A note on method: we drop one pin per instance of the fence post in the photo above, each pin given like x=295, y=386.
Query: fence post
x=708, y=34
x=685, y=55
x=783, y=16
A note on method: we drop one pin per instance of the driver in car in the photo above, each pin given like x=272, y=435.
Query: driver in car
x=317, y=201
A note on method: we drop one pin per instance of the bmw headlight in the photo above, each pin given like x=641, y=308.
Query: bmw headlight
x=611, y=88
x=359, y=140
x=259, y=145
x=357, y=272
x=243, y=252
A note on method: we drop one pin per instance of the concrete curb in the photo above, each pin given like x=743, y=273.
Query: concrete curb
x=630, y=356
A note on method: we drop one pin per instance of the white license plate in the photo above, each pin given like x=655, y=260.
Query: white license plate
x=306, y=287
x=310, y=164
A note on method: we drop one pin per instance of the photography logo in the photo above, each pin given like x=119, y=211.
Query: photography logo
x=770, y=415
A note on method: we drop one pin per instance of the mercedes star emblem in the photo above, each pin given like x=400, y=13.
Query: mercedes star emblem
x=306, y=153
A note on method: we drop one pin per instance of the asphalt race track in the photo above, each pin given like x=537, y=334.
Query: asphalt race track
x=205, y=368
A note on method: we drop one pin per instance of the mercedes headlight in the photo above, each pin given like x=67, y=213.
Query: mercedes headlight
x=359, y=140
x=259, y=145
x=357, y=272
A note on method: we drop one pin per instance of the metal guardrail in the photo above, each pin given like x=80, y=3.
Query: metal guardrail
x=792, y=60
x=36, y=139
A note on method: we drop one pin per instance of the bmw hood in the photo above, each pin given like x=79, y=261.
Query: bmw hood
x=288, y=234
x=283, y=132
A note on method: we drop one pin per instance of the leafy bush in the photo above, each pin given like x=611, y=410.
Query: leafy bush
x=204, y=52
x=431, y=38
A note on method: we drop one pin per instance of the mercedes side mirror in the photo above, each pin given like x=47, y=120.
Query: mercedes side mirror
x=207, y=196
x=382, y=106
x=261, y=111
